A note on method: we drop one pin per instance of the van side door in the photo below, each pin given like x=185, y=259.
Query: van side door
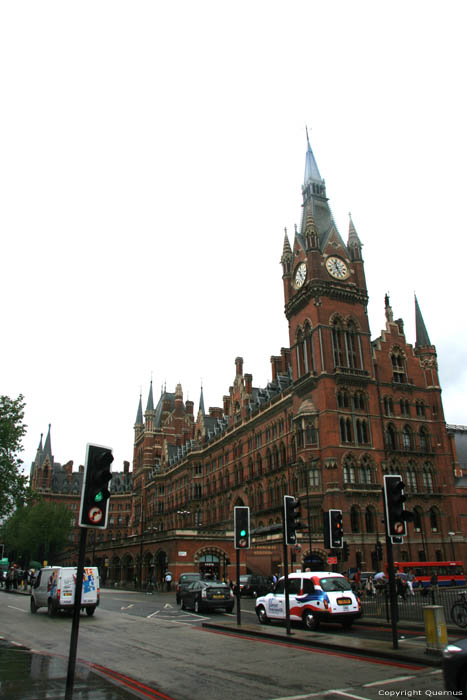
x=276, y=601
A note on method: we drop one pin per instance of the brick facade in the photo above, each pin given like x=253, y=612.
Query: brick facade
x=341, y=410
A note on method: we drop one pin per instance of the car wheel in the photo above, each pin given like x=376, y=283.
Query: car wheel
x=183, y=604
x=197, y=607
x=177, y=598
x=310, y=620
x=51, y=609
x=262, y=615
x=33, y=605
x=229, y=609
x=90, y=611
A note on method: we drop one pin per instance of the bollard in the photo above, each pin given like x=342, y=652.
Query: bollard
x=435, y=629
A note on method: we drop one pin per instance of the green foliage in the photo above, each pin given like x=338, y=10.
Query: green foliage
x=37, y=532
x=14, y=490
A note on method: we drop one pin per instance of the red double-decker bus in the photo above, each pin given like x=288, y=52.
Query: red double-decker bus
x=450, y=573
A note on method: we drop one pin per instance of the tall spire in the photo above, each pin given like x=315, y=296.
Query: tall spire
x=353, y=243
x=311, y=168
x=422, y=337
x=201, y=401
x=150, y=404
x=139, y=414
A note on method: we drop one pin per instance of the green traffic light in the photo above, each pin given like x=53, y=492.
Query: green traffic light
x=98, y=497
x=242, y=533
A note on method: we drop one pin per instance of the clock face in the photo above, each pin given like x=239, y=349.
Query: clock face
x=300, y=275
x=337, y=268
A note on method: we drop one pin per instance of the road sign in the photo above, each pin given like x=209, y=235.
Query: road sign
x=332, y=560
x=95, y=515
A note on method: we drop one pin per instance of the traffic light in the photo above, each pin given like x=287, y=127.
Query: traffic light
x=291, y=519
x=95, y=493
x=345, y=551
x=241, y=527
x=396, y=515
x=333, y=530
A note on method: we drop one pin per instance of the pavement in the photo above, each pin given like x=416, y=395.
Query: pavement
x=23, y=672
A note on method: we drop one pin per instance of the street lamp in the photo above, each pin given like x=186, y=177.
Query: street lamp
x=451, y=535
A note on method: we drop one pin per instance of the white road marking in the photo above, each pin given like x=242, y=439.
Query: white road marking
x=167, y=605
x=13, y=608
x=126, y=607
x=321, y=693
x=152, y=614
x=347, y=695
x=399, y=679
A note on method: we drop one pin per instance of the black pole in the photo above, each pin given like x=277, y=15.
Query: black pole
x=392, y=592
x=237, y=592
x=286, y=587
x=76, y=611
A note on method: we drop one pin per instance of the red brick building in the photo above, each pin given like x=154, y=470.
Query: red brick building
x=340, y=411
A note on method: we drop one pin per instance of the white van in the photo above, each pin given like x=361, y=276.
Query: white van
x=54, y=589
x=314, y=597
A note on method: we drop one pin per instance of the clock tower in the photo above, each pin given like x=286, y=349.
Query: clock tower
x=325, y=290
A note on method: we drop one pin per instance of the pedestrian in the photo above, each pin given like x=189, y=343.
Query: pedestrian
x=401, y=586
x=168, y=581
x=434, y=585
x=274, y=579
x=370, y=587
x=410, y=580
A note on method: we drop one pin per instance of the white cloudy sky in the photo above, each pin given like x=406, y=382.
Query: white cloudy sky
x=151, y=154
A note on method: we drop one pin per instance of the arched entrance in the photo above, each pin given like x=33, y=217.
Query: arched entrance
x=160, y=565
x=212, y=562
x=316, y=561
x=128, y=565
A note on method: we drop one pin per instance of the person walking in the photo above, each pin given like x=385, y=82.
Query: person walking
x=410, y=580
x=370, y=589
x=168, y=581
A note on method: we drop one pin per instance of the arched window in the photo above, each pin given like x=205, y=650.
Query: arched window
x=343, y=399
x=418, y=520
x=362, y=432
x=337, y=343
x=388, y=406
x=364, y=471
x=359, y=402
x=351, y=345
x=411, y=477
x=268, y=460
x=355, y=519
x=349, y=470
x=424, y=440
x=370, y=519
x=314, y=479
x=391, y=437
x=398, y=367
x=427, y=476
x=434, y=524
x=346, y=430
x=405, y=407
x=407, y=438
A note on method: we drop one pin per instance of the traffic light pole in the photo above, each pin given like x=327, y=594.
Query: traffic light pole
x=286, y=585
x=392, y=593
x=76, y=613
x=237, y=592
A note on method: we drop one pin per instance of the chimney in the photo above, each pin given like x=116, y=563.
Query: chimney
x=226, y=400
x=248, y=383
x=189, y=407
x=239, y=365
x=126, y=467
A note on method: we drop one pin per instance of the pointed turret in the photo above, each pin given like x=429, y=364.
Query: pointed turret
x=47, y=452
x=139, y=414
x=353, y=243
x=311, y=168
x=150, y=404
x=201, y=402
x=422, y=337
x=315, y=202
x=287, y=256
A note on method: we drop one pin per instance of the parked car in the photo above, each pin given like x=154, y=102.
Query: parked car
x=253, y=586
x=184, y=581
x=455, y=667
x=207, y=595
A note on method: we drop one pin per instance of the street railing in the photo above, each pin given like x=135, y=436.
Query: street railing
x=411, y=607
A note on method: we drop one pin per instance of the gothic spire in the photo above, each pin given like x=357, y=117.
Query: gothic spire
x=311, y=168
x=201, y=402
x=150, y=404
x=422, y=337
x=353, y=243
x=139, y=414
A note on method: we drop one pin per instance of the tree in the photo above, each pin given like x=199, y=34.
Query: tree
x=38, y=531
x=14, y=490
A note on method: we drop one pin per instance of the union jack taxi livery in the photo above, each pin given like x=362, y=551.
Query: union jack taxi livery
x=314, y=597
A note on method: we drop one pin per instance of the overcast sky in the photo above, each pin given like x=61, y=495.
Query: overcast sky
x=151, y=154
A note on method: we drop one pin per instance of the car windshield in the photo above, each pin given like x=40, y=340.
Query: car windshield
x=214, y=584
x=245, y=578
x=189, y=577
x=334, y=583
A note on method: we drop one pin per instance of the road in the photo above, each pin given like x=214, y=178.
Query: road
x=149, y=638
